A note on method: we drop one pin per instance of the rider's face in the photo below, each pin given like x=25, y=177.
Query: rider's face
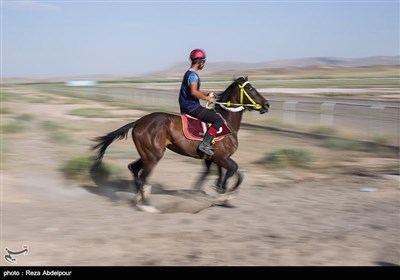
x=202, y=63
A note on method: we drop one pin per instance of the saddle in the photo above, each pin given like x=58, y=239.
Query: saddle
x=195, y=129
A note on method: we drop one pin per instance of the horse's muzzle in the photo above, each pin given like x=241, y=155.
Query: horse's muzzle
x=264, y=109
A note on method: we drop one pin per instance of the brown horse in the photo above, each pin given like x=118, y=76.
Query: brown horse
x=155, y=132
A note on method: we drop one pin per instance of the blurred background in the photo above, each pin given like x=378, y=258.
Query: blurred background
x=321, y=168
x=328, y=66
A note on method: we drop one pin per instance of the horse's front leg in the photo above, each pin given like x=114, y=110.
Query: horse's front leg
x=238, y=182
x=218, y=184
x=232, y=168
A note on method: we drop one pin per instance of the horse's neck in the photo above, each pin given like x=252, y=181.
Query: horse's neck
x=233, y=119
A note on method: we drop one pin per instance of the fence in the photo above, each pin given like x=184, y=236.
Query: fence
x=368, y=120
x=371, y=120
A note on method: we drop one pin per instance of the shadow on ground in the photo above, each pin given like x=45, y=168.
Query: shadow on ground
x=161, y=197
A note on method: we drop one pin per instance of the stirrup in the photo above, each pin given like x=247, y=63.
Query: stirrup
x=206, y=149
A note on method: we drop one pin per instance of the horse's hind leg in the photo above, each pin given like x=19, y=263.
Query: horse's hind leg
x=140, y=171
x=218, y=184
x=135, y=167
x=140, y=181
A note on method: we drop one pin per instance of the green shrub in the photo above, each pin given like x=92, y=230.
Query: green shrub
x=59, y=136
x=50, y=125
x=91, y=113
x=24, y=117
x=380, y=139
x=324, y=129
x=344, y=144
x=18, y=125
x=287, y=157
x=14, y=127
x=6, y=111
x=56, y=134
x=84, y=167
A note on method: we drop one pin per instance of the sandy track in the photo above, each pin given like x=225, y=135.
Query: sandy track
x=315, y=216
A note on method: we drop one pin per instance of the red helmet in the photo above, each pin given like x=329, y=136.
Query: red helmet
x=197, y=53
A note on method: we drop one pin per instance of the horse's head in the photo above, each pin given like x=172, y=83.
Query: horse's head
x=242, y=94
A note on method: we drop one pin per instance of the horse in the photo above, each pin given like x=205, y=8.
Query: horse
x=153, y=133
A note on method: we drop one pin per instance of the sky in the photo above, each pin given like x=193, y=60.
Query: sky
x=132, y=38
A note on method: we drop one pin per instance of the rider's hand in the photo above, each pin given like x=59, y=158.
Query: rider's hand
x=211, y=97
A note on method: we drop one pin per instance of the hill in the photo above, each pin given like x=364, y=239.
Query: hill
x=374, y=66
x=288, y=66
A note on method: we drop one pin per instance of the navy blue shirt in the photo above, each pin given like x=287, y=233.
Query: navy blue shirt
x=187, y=102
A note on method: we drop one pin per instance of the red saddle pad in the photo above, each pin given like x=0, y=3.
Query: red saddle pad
x=195, y=129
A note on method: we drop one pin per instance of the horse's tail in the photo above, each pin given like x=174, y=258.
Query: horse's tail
x=106, y=140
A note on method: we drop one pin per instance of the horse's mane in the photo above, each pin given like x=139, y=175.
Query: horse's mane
x=223, y=96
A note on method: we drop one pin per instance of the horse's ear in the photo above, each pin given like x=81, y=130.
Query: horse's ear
x=246, y=78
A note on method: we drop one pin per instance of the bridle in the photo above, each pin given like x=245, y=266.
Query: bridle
x=239, y=106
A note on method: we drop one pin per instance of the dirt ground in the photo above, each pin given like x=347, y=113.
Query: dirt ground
x=343, y=210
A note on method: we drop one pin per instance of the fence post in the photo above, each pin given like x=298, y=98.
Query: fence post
x=375, y=120
x=327, y=113
x=289, y=111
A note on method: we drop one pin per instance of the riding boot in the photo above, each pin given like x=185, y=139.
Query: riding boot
x=205, y=146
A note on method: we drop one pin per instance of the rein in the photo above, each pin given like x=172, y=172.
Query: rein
x=241, y=105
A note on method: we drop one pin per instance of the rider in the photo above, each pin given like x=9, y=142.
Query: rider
x=189, y=100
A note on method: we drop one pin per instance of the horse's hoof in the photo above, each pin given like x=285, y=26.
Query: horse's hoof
x=225, y=197
x=224, y=200
x=146, y=191
x=227, y=204
x=148, y=208
x=218, y=189
x=136, y=199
